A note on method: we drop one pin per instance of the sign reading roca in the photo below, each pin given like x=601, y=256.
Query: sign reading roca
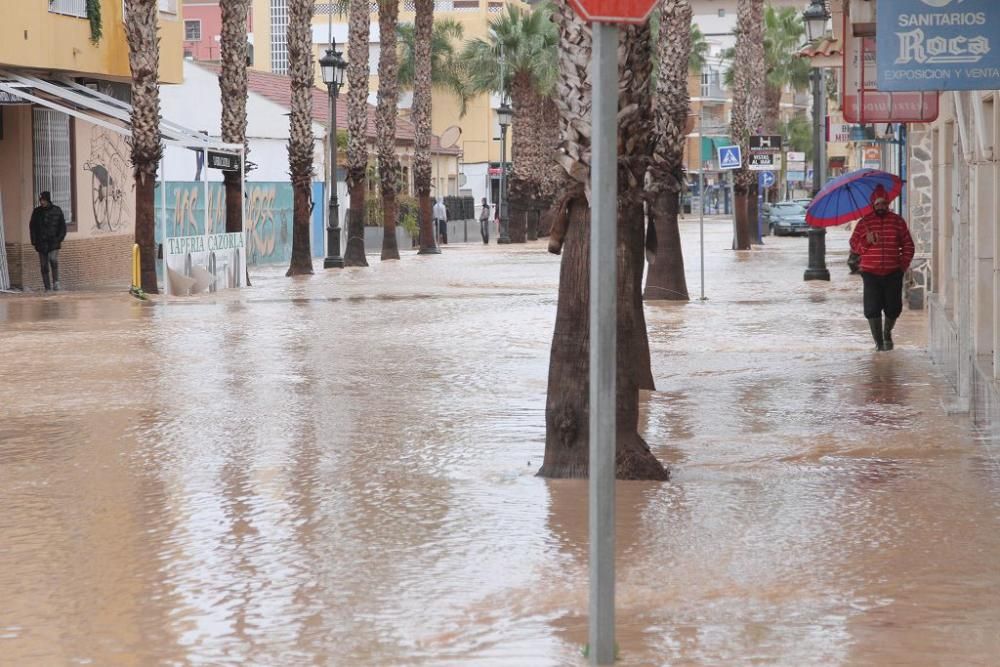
x=938, y=45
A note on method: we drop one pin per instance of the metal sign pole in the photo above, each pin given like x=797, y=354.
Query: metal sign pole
x=701, y=191
x=603, y=343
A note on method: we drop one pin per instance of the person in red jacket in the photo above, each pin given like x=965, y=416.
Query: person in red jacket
x=886, y=249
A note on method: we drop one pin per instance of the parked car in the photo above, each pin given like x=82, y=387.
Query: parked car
x=804, y=203
x=785, y=218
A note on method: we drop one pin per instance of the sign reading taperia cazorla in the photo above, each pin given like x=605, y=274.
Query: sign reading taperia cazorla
x=938, y=45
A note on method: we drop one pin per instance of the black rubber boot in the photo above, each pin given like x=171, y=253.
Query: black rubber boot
x=890, y=322
x=876, y=324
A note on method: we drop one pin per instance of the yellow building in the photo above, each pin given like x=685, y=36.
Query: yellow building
x=477, y=131
x=53, y=80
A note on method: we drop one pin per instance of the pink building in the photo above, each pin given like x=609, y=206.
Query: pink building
x=202, y=29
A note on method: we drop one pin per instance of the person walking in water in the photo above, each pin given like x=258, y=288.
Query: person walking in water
x=484, y=221
x=884, y=243
x=441, y=218
x=48, y=229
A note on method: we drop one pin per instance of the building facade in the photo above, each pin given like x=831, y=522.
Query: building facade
x=49, y=144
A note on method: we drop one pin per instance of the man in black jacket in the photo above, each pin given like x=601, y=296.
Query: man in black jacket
x=48, y=229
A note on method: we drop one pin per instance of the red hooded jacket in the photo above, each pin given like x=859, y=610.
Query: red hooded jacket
x=883, y=241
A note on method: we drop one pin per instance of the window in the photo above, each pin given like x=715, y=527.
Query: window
x=722, y=12
x=279, y=36
x=52, y=136
x=69, y=7
x=192, y=31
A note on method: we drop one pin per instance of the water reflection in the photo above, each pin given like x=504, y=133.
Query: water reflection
x=338, y=470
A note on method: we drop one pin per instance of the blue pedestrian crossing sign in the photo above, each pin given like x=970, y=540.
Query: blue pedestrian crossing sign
x=766, y=179
x=730, y=157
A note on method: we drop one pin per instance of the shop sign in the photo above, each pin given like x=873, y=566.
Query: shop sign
x=863, y=102
x=938, y=45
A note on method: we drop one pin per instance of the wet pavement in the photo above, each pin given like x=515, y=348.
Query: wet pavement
x=339, y=470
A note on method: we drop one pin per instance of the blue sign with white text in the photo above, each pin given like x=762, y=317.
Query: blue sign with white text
x=938, y=45
x=730, y=157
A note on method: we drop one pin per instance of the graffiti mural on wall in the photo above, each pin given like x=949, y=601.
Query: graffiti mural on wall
x=269, y=209
x=112, y=187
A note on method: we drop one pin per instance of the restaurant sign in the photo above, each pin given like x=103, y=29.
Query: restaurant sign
x=938, y=45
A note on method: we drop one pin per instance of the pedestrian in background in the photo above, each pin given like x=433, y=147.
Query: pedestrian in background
x=441, y=218
x=484, y=221
x=884, y=243
x=48, y=229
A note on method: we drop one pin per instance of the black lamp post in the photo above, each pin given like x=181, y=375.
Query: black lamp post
x=504, y=114
x=332, y=65
x=815, y=18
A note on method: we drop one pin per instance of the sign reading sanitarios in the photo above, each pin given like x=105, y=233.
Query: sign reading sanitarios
x=938, y=45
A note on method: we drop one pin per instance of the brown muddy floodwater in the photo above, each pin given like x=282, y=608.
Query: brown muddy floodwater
x=339, y=470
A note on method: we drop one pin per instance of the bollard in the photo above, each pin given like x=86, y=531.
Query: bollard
x=136, y=267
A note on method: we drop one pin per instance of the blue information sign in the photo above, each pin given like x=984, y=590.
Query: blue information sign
x=766, y=179
x=938, y=45
x=730, y=157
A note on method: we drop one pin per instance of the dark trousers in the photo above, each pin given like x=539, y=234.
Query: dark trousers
x=45, y=259
x=484, y=230
x=443, y=230
x=883, y=293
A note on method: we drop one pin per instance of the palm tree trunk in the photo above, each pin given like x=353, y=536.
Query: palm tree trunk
x=141, y=26
x=666, y=280
x=301, y=141
x=233, y=87
x=423, y=29
x=526, y=155
x=388, y=95
x=357, y=130
x=746, y=114
x=567, y=403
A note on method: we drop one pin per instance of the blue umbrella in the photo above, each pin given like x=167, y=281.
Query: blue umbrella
x=848, y=197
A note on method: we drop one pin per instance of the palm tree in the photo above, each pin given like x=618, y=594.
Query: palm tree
x=671, y=106
x=388, y=96
x=699, y=50
x=141, y=26
x=447, y=72
x=748, y=75
x=566, y=410
x=525, y=42
x=359, y=19
x=233, y=86
x=301, y=142
x=421, y=77
x=427, y=59
x=783, y=34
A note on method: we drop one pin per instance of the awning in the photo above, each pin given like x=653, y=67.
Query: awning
x=710, y=146
x=71, y=98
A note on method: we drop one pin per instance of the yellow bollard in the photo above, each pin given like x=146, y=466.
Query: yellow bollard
x=136, y=275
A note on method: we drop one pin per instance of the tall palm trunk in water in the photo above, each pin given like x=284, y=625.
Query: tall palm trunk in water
x=300, y=135
x=423, y=28
x=233, y=86
x=141, y=26
x=671, y=105
x=566, y=410
x=357, y=130
x=746, y=114
x=388, y=95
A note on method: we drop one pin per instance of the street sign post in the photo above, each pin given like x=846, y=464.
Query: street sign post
x=730, y=157
x=605, y=15
x=765, y=179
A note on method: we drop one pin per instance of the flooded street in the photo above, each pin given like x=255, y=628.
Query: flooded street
x=339, y=470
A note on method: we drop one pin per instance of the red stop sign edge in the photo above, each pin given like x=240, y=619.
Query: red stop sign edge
x=616, y=5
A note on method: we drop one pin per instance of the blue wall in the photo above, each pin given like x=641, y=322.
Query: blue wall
x=268, y=218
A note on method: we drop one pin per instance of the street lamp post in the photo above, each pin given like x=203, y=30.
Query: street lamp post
x=815, y=18
x=504, y=113
x=332, y=65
